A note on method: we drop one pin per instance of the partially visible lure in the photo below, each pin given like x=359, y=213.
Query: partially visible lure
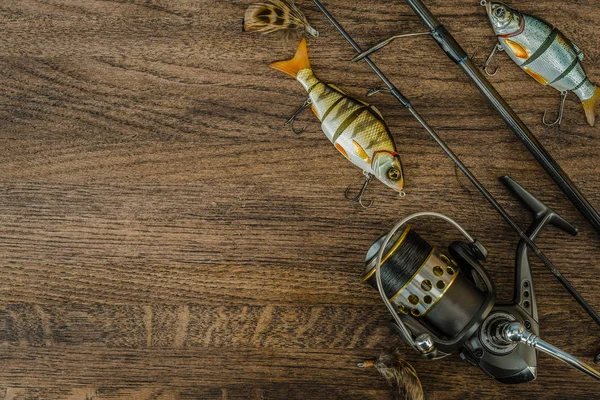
x=276, y=16
x=354, y=127
x=397, y=371
x=544, y=53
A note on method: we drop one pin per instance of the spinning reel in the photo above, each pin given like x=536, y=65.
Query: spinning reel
x=444, y=302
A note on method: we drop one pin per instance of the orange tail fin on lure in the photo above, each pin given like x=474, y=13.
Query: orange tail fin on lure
x=296, y=64
x=589, y=106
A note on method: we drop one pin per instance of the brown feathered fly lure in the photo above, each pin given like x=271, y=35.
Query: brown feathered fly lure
x=276, y=16
x=398, y=372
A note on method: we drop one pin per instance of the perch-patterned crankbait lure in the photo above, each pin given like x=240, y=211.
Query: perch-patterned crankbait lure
x=354, y=127
x=276, y=16
x=544, y=53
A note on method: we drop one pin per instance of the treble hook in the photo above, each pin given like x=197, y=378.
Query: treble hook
x=385, y=43
x=290, y=121
x=561, y=110
x=486, y=63
x=359, y=196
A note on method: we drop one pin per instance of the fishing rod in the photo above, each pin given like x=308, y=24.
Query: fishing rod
x=394, y=91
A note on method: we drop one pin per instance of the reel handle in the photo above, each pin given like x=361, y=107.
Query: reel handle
x=515, y=332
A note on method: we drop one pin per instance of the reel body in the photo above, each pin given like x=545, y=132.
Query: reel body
x=444, y=302
x=451, y=297
x=505, y=362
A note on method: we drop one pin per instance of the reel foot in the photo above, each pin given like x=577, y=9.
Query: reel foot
x=542, y=214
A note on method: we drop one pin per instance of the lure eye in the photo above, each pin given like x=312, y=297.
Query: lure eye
x=394, y=174
x=500, y=12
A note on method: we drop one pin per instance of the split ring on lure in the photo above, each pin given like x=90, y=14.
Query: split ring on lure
x=355, y=128
x=544, y=53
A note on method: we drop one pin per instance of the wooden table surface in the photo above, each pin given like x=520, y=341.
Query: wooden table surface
x=164, y=236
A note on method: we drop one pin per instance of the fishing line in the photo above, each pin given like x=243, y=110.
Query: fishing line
x=407, y=255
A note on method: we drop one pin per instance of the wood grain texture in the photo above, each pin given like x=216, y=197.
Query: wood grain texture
x=164, y=236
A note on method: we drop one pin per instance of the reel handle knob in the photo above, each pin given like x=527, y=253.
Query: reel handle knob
x=515, y=332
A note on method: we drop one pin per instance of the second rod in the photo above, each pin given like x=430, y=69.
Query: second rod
x=456, y=53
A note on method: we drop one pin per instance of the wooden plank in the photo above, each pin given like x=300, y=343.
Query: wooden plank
x=305, y=370
x=164, y=236
x=295, y=392
x=206, y=326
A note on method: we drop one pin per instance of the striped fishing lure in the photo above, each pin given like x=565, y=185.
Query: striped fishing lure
x=544, y=53
x=355, y=128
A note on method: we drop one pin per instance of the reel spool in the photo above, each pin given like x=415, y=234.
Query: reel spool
x=421, y=281
x=444, y=302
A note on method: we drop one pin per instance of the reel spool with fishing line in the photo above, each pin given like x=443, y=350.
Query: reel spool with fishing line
x=443, y=301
